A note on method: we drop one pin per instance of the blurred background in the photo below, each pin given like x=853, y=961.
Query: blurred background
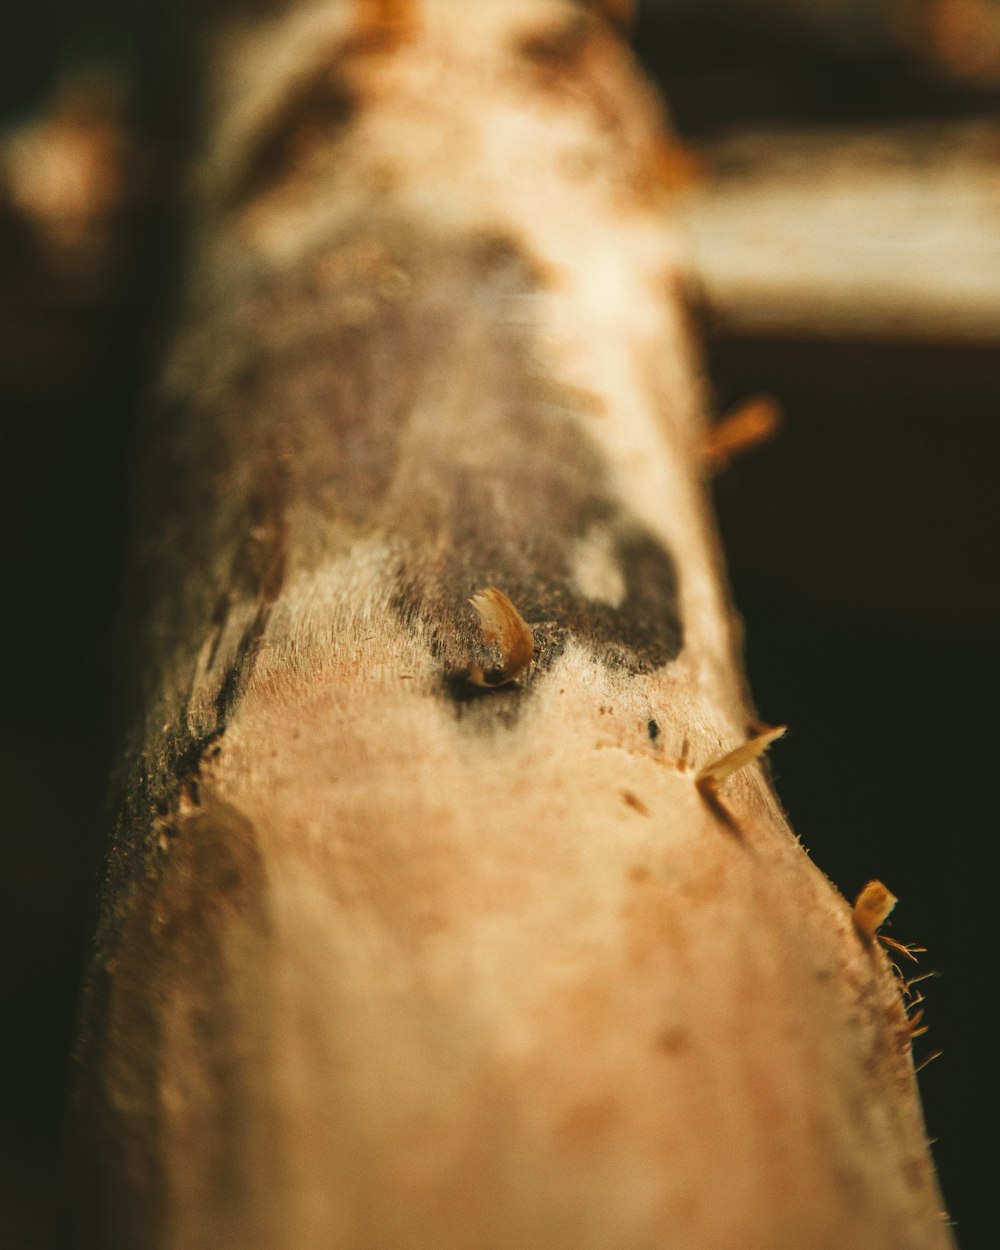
x=842, y=210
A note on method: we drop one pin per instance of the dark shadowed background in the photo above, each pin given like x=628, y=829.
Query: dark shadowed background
x=862, y=546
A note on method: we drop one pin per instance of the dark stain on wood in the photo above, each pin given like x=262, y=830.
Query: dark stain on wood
x=308, y=119
x=653, y=729
x=392, y=383
x=633, y=801
x=557, y=50
x=313, y=113
x=571, y=59
x=673, y=1042
x=422, y=410
x=419, y=410
x=257, y=575
x=723, y=815
x=497, y=707
x=431, y=419
x=196, y=514
x=175, y=977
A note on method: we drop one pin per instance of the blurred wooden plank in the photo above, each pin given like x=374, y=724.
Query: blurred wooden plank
x=889, y=233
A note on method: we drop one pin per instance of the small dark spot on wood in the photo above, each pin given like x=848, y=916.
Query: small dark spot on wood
x=653, y=729
x=310, y=116
x=633, y=801
x=639, y=874
x=458, y=687
x=557, y=50
x=186, y=761
x=257, y=574
x=496, y=254
x=313, y=113
x=589, y=1120
x=229, y=880
x=915, y=1172
x=721, y=812
x=673, y=1042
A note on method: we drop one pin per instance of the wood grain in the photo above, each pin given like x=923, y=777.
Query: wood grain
x=386, y=960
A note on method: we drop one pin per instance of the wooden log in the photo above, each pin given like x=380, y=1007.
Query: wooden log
x=883, y=232
x=392, y=959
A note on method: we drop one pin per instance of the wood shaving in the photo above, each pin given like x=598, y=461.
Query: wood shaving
x=710, y=778
x=750, y=424
x=872, y=907
x=502, y=626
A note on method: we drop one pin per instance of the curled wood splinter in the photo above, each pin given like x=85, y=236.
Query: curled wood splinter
x=501, y=626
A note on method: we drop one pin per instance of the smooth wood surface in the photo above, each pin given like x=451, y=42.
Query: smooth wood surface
x=387, y=959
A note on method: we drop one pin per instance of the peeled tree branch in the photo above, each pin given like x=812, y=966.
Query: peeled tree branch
x=448, y=906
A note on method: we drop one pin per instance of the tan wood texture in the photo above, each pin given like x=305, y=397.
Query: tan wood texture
x=389, y=959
